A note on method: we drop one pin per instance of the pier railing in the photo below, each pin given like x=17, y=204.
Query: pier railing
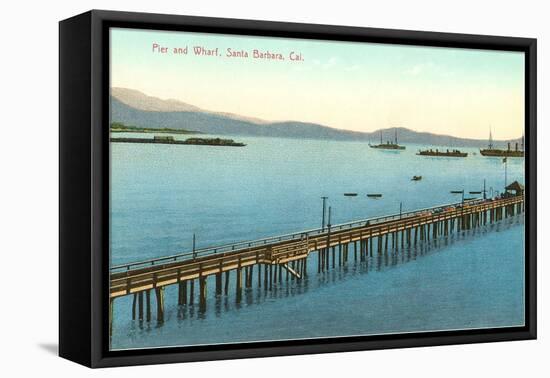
x=296, y=236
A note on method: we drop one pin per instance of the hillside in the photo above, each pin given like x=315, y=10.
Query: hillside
x=137, y=109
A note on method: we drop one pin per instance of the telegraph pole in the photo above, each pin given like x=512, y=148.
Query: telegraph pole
x=328, y=238
x=459, y=192
x=194, y=240
x=505, y=161
x=324, y=212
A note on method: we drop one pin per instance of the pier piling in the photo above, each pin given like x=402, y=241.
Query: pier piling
x=239, y=283
x=219, y=283
x=140, y=305
x=226, y=285
x=148, y=305
x=159, y=291
x=134, y=306
x=202, y=292
x=291, y=254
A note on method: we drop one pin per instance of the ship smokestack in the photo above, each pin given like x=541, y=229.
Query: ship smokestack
x=508, y=146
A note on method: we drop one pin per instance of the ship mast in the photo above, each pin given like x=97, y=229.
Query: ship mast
x=490, y=139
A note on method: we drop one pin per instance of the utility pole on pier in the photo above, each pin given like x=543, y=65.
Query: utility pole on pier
x=505, y=161
x=400, y=209
x=324, y=212
x=194, y=253
x=462, y=202
x=461, y=224
x=459, y=192
x=327, y=249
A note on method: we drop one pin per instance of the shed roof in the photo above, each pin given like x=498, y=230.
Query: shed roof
x=515, y=186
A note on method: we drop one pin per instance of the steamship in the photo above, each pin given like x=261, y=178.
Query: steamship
x=509, y=152
x=389, y=145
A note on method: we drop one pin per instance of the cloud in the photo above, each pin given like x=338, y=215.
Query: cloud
x=428, y=68
x=330, y=63
x=301, y=68
x=420, y=69
x=354, y=67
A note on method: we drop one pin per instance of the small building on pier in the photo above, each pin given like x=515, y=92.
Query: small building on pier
x=515, y=189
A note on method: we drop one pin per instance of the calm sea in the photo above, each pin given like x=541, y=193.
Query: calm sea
x=163, y=194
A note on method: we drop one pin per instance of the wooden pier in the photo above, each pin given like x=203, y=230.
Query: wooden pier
x=264, y=262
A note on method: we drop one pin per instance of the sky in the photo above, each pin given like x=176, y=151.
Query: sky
x=345, y=85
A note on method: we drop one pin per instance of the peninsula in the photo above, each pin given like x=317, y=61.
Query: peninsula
x=170, y=140
x=118, y=127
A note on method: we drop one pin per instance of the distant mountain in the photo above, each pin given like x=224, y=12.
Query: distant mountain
x=134, y=108
x=141, y=101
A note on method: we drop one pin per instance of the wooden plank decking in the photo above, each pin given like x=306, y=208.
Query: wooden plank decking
x=290, y=252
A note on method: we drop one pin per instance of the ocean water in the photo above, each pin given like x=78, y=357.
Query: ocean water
x=163, y=194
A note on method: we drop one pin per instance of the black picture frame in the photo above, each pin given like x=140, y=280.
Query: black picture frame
x=84, y=187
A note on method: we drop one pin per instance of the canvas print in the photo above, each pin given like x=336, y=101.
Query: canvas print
x=267, y=189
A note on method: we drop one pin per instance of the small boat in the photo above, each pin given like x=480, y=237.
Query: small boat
x=374, y=195
x=416, y=178
x=350, y=194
